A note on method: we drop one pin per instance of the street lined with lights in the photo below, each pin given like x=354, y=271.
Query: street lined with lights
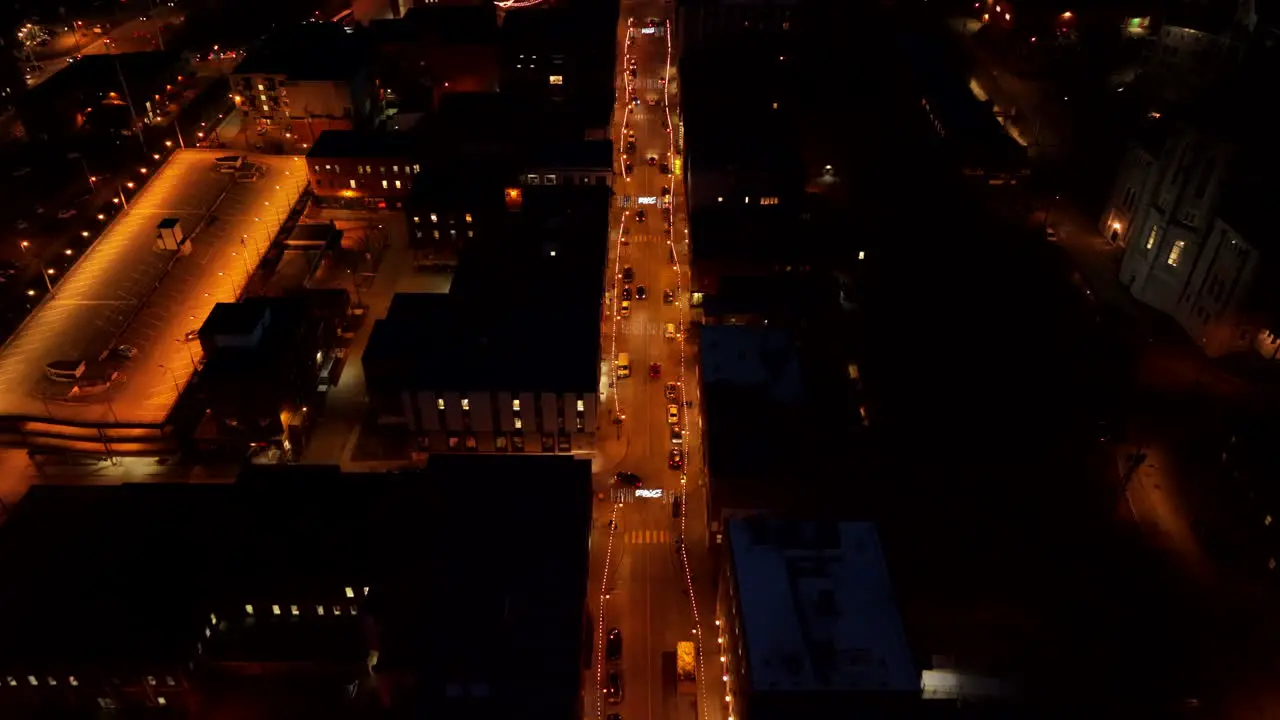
x=642, y=573
x=122, y=291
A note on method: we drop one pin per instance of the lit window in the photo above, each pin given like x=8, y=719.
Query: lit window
x=264, y=101
x=1151, y=238
x=397, y=184
x=319, y=609
x=775, y=106
x=382, y=169
x=719, y=199
x=316, y=168
x=515, y=405
x=168, y=680
x=52, y=680
x=384, y=184
x=161, y=701
x=557, y=79
x=359, y=169
x=293, y=610
x=466, y=404
x=11, y=680
x=582, y=407
x=32, y=679
x=327, y=168
x=416, y=219
x=368, y=169
x=453, y=234
x=434, y=217
x=275, y=609
x=353, y=184
x=213, y=618
x=416, y=168
x=862, y=254
x=151, y=679
x=350, y=593
x=266, y=109
x=260, y=87
x=352, y=609
x=1175, y=253
x=439, y=403
x=337, y=169
x=467, y=217
x=471, y=233
x=337, y=609
x=74, y=682
x=768, y=201
x=366, y=589
x=435, y=234
x=519, y=423
x=395, y=169
x=248, y=609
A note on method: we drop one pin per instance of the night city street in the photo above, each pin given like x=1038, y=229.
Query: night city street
x=639, y=359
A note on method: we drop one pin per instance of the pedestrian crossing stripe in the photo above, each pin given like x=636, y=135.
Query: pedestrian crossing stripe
x=647, y=537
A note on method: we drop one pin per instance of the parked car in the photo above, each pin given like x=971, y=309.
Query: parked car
x=641, y=294
x=627, y=478
x=613, y=687
x=668, y=297
x=671, y=391
x=613, y=645
x=673, y=414
x=66, y=213
x=191, y=335
x=126, y=351
x=675, y=458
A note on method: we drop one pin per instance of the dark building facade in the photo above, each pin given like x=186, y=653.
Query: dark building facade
x=363, y=169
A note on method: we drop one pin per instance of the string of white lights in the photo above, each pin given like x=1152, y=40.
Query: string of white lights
x=604, y=597
x=680, y=306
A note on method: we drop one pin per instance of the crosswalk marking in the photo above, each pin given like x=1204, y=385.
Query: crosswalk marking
x=647, y=537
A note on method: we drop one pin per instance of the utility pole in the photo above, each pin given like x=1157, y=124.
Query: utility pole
x=133, y=114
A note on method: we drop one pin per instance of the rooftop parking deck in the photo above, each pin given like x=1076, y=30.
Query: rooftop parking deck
x=124, y=291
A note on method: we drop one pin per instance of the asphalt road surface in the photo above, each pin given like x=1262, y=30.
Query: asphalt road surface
x=638, y=537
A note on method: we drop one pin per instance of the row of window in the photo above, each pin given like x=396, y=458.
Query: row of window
x=368, y=169
x=747, y=200
x=435, y=218
x=580, y=422
x=435, y=234
x=569, y=179
x=501, y=443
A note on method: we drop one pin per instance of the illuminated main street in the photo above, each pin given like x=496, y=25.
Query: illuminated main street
x=123, y=291
x=642, y=574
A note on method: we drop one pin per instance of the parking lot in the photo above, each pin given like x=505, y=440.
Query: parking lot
x=120, y=293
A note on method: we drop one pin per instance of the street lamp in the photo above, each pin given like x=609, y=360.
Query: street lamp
x=190, y=354
x=49, y=272
x=24, y=245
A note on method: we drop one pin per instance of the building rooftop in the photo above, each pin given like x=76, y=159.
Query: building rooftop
x=818, y=609
x=140, y=567
x=304, y=51
x=240, y=318
x=770, y=236
x=510, y=605
x=363, y=143
x=523, y=310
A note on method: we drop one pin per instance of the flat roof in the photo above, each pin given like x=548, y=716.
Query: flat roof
x=124, y=577
x=516, y=316
x=525, y=610
x=304, y=51
x=817, y=607
x=760, y=235
x=363, y=143
x=121, y=290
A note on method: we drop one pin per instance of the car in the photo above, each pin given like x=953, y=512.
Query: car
x=653, y=101
x=669, y=331
x=627, y=168
x=627, y=478
x=641, y=215
x=628, y=274
x=191, y=335
x=635, y=100
x=626, y=293
x=677, y=435
x=675, y=459
x=664, y=168
x=632, y=72
x=673, y=414
x=613, y=687
x=655, y=369
x=625, y=309
x=66, y=213
x=668, y=297
x=126, y=351
x=641, y=294
x=613, y=645
x=21, y=225
x=653, y=160
x=613, y=716
x=631, y=147
x=671, y=391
